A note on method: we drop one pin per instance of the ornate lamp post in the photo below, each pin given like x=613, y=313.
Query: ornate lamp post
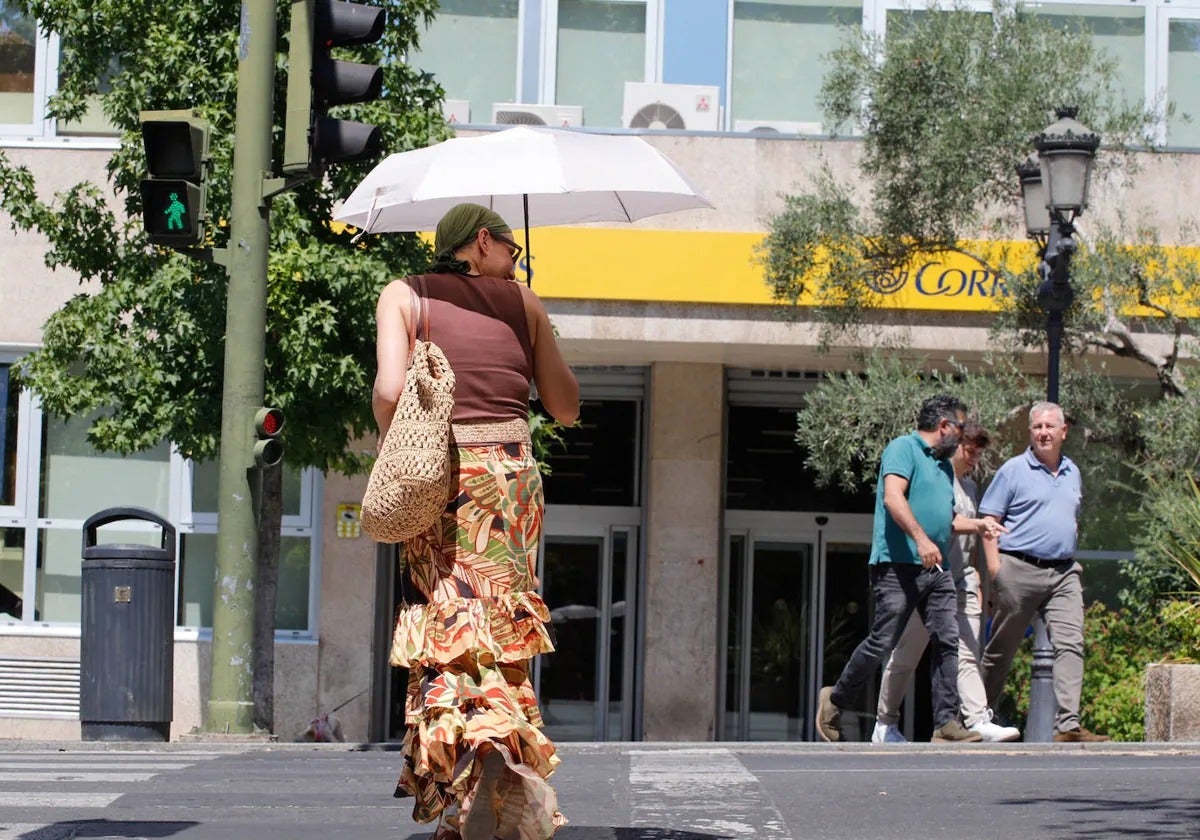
x=1054, y=191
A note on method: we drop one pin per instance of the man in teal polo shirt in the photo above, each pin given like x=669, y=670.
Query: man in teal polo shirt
x=914, y=514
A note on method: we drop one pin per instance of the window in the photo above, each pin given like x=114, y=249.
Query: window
x=40, y=563
x=1118, y=31
x=471, y=49
x=1183, y=82
x=93, y=122
x=777, y=57
x=599, y=45
x=198, y=549
x=20, y=49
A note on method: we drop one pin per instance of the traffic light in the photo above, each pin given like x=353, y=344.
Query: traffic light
x=174, y=193
x=268, y=449
x=317, y=82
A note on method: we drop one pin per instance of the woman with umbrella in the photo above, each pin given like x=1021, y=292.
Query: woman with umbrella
x=475, y=758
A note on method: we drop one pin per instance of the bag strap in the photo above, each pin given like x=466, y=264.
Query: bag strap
x=425, y=319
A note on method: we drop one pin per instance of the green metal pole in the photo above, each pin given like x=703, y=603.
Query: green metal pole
x=231, y=704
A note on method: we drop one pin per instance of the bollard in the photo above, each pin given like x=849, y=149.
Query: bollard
x=1039, y=726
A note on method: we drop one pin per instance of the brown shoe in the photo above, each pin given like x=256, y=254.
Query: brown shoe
x=1079, y=736
x=829, y=716
x=953, y=732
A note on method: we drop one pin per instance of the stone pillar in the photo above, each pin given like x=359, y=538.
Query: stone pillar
x=683, y=516
x=1173, y=703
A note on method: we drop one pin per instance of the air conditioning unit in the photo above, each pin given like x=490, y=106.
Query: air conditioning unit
x=683, y=107
x=557, y=116
x=456, y=110
x=780, y=127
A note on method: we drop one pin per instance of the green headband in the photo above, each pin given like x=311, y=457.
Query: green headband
x=461, y=223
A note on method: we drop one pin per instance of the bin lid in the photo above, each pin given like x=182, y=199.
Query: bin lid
x=126, y=551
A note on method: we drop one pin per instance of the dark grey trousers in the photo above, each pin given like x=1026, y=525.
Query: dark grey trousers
x=897, y=589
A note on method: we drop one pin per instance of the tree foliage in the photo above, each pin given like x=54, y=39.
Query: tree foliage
x=947, y=104
x=145, y=341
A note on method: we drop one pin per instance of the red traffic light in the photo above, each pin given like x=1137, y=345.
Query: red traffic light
x=268, y=422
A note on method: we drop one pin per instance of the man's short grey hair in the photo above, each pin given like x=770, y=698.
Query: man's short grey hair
x=1043, y=407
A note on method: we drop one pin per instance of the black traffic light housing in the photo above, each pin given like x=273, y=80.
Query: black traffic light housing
x=174, y=193
x=268, y=449
x=317, y=82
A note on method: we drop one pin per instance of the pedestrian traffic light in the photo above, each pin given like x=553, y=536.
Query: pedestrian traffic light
x=174, y=193
x=318, y=82
x=268, y=449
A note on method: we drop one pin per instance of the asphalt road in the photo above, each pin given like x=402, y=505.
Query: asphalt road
x=615, y=792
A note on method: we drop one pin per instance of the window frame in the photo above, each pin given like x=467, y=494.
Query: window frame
x=1165, y=14
x=548, y=65
x=43, y=87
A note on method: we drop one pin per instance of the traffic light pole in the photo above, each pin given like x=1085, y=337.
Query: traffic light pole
x=231, y=704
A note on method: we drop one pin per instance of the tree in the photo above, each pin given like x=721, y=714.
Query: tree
x=144, y=346
x=946, y=105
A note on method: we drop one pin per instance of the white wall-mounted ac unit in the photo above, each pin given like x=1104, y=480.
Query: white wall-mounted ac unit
x=683, y=107
x=780, y=127
x=556, y=116
x=456, y=110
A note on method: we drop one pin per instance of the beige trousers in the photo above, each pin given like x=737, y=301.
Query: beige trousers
x=898, y=671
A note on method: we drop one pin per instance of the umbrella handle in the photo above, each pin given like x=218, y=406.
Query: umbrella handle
x=528, y=256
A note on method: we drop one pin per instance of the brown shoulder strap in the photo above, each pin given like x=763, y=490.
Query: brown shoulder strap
x=425, y=319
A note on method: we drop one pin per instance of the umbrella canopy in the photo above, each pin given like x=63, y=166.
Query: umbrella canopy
x=545, y=176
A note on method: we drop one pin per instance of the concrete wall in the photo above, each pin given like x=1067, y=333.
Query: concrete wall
x=683, y=521
x=295, y=687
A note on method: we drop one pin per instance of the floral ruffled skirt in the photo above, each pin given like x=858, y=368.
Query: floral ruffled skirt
x=468, y=649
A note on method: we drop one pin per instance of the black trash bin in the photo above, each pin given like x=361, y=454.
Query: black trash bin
x=127, y=634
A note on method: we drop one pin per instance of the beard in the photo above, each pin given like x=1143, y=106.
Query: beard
x=945, y=449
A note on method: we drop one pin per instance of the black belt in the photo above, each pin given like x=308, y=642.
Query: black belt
x=1040, y=562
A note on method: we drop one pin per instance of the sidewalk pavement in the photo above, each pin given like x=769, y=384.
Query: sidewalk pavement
x=630, y=791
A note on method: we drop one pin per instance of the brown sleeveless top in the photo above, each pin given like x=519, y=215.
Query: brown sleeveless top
x=480, y=324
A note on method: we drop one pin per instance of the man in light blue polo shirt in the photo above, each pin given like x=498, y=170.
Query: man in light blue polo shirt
x=914, y=513
x=1036, y=495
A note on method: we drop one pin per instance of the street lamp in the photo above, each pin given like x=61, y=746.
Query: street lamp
x=1054, y=190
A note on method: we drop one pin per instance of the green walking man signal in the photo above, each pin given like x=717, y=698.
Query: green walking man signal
x=175, y=212
x=174, y=194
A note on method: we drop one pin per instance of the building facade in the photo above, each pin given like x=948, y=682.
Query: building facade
x=702, y=586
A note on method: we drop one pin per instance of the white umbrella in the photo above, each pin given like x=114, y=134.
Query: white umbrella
x=545, y=176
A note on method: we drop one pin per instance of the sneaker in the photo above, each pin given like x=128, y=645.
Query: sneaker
x=993, y=732
x=953, y=732
x=829, y=716
x=887, y=733
x=1079, y=736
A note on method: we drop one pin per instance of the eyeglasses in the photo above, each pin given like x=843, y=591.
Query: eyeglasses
x=958, y=424
x=515, y=249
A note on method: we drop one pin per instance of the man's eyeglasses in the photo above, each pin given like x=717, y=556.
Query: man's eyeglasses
x=958, y=424
x=514, y=248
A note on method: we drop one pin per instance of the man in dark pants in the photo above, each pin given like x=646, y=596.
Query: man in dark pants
x=914, y=514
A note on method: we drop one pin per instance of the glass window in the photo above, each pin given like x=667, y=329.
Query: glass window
x=198, y=561
x=778, y=50
x=601, y=45
x=471, y=49
x=18, y=53
x=12, y=571
x=1120, y=32
x=1183, y=82
x=597, y=463
x=92, y=122
x=8, y=438
x=59, y=562
x=765, y=468
x=77, y=480
x=204, y=488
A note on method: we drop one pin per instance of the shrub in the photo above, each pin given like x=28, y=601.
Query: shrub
x=1118, y=649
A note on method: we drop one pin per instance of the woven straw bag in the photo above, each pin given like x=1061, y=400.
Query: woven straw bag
x=409, y=485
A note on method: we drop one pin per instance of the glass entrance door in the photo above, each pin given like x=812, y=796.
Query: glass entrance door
x=794, y=605
x=590, y=583
x=770, y=662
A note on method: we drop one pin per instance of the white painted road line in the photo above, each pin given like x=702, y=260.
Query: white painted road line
x=91, y=766
x=68, y=776
x=58, y=799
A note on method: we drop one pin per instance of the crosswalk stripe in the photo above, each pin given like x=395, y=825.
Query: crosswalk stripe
x=14, y=767
x=37, y=831
x=58, y=799
x=67, y=776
